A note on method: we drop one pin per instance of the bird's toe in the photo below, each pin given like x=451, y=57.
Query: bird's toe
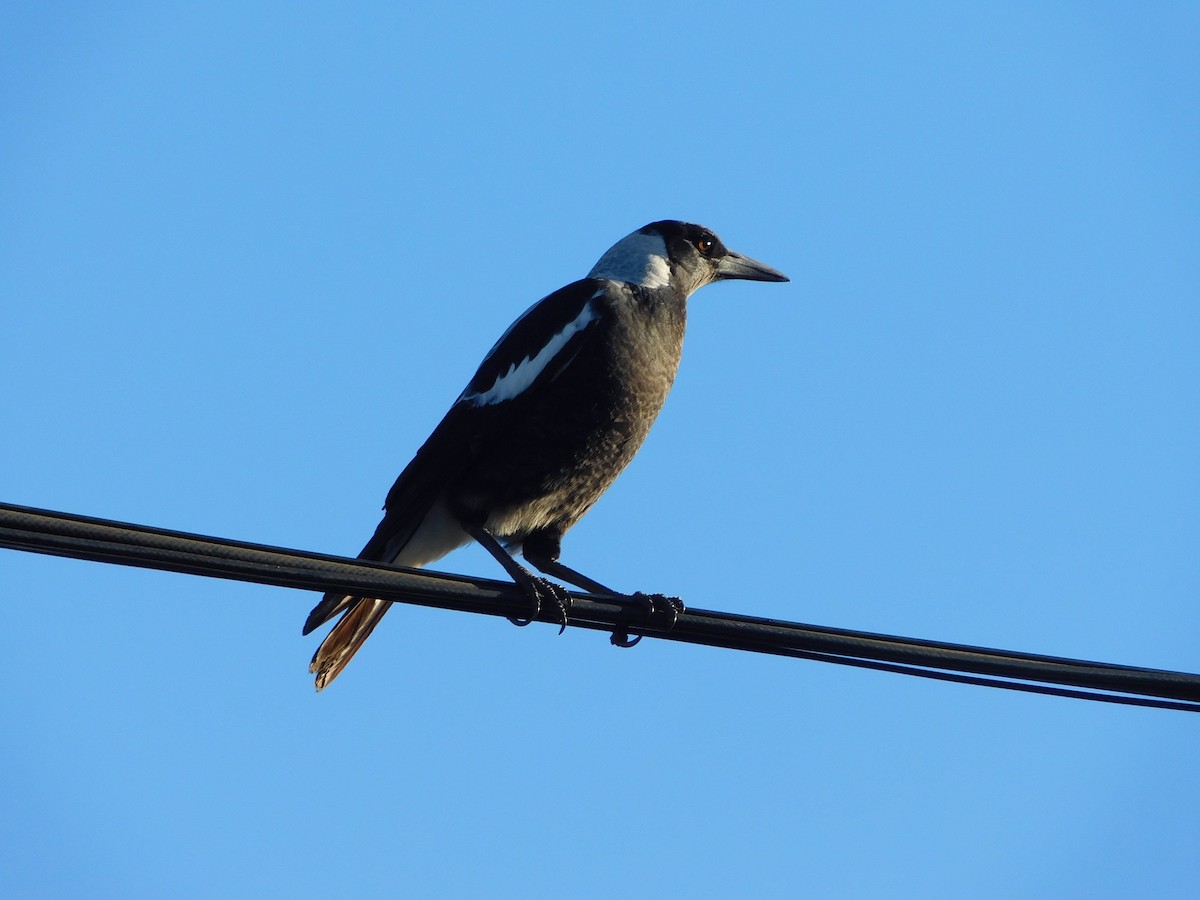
x=654, y=605
x=562, y=599
x=543, y=591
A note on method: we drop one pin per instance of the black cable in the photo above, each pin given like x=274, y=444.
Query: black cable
x=81, y=537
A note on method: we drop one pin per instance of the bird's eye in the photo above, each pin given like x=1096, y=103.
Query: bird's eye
x=704, y=245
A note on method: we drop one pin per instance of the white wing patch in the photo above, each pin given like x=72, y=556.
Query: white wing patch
x=521, y=375
x=638, y=259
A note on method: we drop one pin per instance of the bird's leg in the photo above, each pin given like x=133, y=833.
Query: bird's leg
x=555, y=569
x=543, y=554
x=535, y=588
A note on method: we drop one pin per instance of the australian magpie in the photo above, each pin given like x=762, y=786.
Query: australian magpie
x=557, y=409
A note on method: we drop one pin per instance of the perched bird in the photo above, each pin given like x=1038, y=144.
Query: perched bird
x=557, y=409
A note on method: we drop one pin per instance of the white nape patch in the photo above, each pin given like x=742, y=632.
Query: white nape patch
x=638, y=259
x=521, y=375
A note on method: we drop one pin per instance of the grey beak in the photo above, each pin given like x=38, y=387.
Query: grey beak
x=734, y=265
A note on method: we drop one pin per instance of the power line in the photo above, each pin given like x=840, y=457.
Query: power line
x=81, y=537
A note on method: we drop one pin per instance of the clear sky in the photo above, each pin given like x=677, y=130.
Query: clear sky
x=249, y=254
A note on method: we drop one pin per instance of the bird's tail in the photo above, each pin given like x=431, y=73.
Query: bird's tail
x=359, y=620
x=359, y=615
x=401, y=539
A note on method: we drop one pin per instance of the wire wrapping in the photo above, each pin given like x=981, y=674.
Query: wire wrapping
x=82, y=537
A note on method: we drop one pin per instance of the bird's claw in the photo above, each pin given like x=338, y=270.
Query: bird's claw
x=562, y=599
x=539, y=590
x=652, y=604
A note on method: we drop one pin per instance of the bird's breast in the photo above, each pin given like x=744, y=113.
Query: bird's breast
x=554, y=459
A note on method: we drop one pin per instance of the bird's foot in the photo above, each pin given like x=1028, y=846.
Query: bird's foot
x=652, y=604
x=660, y=603
x=543, y=590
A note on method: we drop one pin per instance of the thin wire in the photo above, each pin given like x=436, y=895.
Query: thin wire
x=82, y=537
x=960, y=678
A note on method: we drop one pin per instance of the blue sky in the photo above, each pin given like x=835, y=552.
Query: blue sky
x=250, y=253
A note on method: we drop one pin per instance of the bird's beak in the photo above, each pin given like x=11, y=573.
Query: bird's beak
x=734, y=265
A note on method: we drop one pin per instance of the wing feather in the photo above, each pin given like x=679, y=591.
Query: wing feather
x=530, y=354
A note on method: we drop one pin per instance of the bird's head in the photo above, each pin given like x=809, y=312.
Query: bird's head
x=680, y=255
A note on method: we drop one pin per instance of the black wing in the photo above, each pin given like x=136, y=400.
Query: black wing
x=534, y=351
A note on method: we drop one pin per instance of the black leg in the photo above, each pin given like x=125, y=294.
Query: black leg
x=543, y=554
x=535, y=588
x=555, y=569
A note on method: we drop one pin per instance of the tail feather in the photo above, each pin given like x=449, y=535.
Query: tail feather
x=408, y=539
x=331, y=604
x=340, y=645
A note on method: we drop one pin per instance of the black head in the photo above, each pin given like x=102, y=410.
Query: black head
x=683, y=255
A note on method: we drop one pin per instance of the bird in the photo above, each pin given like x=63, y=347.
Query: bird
x=556, y=410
